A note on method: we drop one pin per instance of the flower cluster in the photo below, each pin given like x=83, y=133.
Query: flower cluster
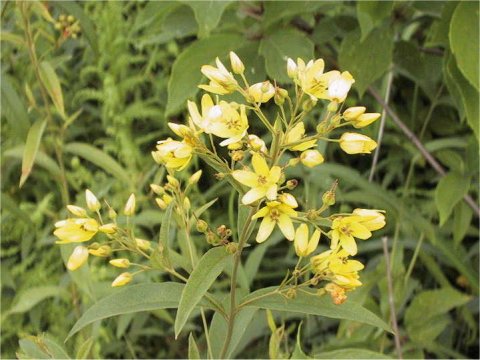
x=68, y=26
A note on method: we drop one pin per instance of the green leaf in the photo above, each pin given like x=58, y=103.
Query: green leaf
x=13, y=109
x=131, y=299
x=207, y=14
x=52, y=84
x=275, y=11
x=427, y=315
x=30, y=150
x=462, y=217
x=193, y=352
x=200, y=280
x=99, y=158
x=165, y=230
x=351, y=353
x=313, y=304
x=278, y=46
x=298, y=352
x=186, y=75
x=31, y=297
x=84, y=349
x=463, y=33
x=450, y=190
x=370, y=14
x=369, y=59
x=41, y=347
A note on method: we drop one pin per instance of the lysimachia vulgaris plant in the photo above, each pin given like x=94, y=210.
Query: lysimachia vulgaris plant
x=221, y=134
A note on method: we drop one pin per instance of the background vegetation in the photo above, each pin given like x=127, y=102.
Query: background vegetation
x=105, y=100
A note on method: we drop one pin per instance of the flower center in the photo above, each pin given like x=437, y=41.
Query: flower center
x=262, y=180
x=274, y=214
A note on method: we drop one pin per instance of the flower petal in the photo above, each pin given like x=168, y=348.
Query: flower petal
x=253, y=195
x=266, y=228
x=349, y=244
x=272, y=192
x=260, y=165
x=246, y=177
x=286, y=226
x=360, y=231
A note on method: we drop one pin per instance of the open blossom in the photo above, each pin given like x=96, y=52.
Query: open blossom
x=353, y=143
x=344, y=231
x=75, y=230
x=221, y=80
x=261, y=92
x=173, y=154
x=276, y=213
x=339, y=85
x=262, y=181
x=293, y=139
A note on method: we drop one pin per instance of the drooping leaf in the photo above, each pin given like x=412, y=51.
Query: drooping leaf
x=99, y=158
x=464, y=29
x=52, y=84
x=370, y=14
x=186, y=74
x=462, y=217
x=31, y=297
x=450, y=190
x=208, y=14
x=30, y=150
x=280, y=45
x=200, y=280
x=369, y=59
x=193, y=352
x=314, y=305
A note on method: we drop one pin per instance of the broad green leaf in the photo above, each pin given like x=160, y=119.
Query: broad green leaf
x=41, y=347
x=370, y=14
x=351, y=353
x=13, y=109
x=193, y=352
x=369, y=59
x=208, y=14
x=131, y=299
x=427, y=315
x=200, y=280
x=280, y=45
x=313, y=304
x=463, y=37
x=462, y=217
x=52, y=84
x=31, y=297
x=86, y=23
x=450, y=190
x=99, y=158
x=30, y=150
x=275, y=11
x=186, y=75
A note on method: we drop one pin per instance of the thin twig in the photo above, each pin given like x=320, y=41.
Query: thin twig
x=414, y=139
x=391, y=301
x=382, y=127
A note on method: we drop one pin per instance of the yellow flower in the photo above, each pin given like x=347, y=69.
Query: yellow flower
x=92, y=202
x=75, y=230
x=365, y=120
x=261, y=92
x=262, y=181
x=345, y=230
x=353, y=112
x=210, y=112
x=311, y=158
x=353, y=143
x=100, y=251
x=237, y=64
x=122, y=279
x=78, y=258
x=256, y=144
x=371, y=219
x=295, y=135
x=120, y=263
x=192, y=180
x=275, y=213
x=173, y=154
x=304, y=246
x=339, y=85
x=221, y=80
x=110, y=228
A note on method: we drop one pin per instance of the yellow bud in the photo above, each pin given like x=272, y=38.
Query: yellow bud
x=292, y=184
x=237, y=155
x=365, y=120
x=353, y=143
x=235, y=146
x=77, y=210
x=231, y=247
x=202, y=226
x=120, y=263
x=62, y=17
x=129, y=209
x=332, y=107
x=108, y=228
x=70, y=19
x=195, y=178
x=142, y=244
x=112, y=214
x=186, y=204
x=311, y=158
x=173, y=182
x=293, y=161
x=291, y=69
x=309, y=104
x=122, y=279
x=58, y=25
x=237, y=64
x=157, y=189
x=161, y=204
x=261, y=92
x=92, y=202
x=102, y=251
x=328, y=198
x=78, y=258
x=353, y=112
x=288, y=199
x=256, y=144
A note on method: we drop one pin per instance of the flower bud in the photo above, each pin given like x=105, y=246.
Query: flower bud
x=235, y=146
x=256, y=144
x=157, y=189
x=332, y=107
x=202, y=226
x=365, y=120
x=291, y=293
x=353, y=143
x=102, y=251
x=231, y=247
x=122, y=279
x=92, y=202
x=237, y=155
x=129, y=209
x=78, y=258
x=291, y=68
x=70, y=19
x=322, y=128
x=77, y=210
x=120, y=263
x=261, y=92
x=161, y=204
x=108, y=228
x=142, y=244
x=186, y=204
x=237, y=64
x=328, y=198
x=195, y=178
x=309, y=104
x=212, y=238
x=288, y=199
x=353, y=112
x=311, y=158
x=292, y=184
x=293, y=161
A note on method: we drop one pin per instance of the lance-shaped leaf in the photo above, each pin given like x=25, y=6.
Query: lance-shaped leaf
x=30, y=150
x=52, y=84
